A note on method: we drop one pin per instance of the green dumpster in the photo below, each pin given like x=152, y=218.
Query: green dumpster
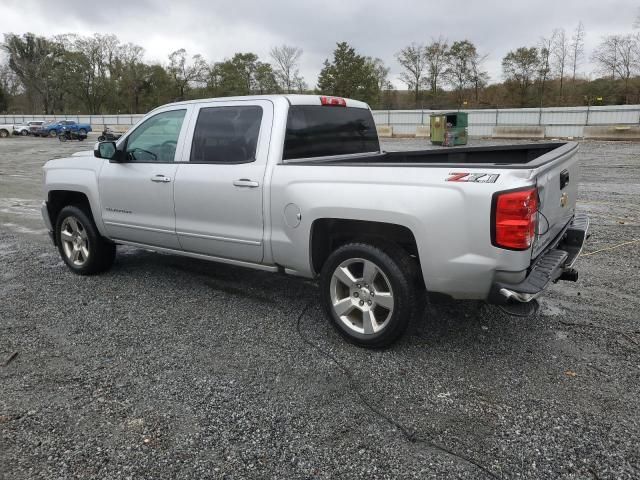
x=449, y=129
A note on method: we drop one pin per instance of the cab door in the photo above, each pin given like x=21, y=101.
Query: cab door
x=218, y=192
x=137, y=194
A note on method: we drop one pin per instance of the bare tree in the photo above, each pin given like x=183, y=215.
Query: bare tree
x=458, y=66
x=381, y=73
x=132, y=74
x=519, y=68
x=380, y=70
x=436, y=56
x=286, y=60
x=576, y=50
x=300, y=85
x=479, y=76
x=184, y=73
x=544, y=66
x=9, y=81
x=618, y=55
x=413, y=61
x=560, y=53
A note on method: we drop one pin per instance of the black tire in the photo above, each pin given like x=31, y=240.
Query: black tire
x=53, y=133
x=4, y=133
x=101, y=252
x=400, y=272
x=82, y=131
x=24, y=133
x=101, y=138
x=62, y=138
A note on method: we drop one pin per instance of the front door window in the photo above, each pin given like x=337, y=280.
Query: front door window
x=156, y=139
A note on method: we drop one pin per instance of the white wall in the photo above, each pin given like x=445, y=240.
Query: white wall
x=558, y=121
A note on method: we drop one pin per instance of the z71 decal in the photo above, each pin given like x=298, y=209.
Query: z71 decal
x=473, y=177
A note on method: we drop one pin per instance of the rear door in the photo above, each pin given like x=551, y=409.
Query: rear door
x=218, y=193
x=557, y=189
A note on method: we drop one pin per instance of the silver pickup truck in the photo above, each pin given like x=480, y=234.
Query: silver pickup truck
x=298, y=184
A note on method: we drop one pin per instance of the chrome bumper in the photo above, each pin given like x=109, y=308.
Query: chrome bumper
x=555, y=264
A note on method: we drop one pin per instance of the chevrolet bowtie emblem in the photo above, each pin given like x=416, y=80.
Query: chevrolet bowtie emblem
x=564, y=200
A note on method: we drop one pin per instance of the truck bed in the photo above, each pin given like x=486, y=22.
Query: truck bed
x=529, y=155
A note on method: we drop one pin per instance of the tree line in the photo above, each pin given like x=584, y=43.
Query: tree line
x=100, y=74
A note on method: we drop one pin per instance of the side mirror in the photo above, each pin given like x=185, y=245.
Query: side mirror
x=106, y=150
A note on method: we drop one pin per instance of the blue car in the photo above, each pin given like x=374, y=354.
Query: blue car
x=53, y=129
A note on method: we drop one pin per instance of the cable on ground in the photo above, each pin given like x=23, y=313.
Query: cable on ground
x=410, y=436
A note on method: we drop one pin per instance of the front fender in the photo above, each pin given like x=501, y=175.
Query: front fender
x=66, y=175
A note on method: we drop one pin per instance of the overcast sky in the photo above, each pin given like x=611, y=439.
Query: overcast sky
x=218, y=28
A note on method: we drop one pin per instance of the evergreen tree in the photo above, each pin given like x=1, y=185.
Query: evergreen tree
x=349, y=75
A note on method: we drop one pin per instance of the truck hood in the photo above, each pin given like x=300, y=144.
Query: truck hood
x=74, y=162
x=83, y=153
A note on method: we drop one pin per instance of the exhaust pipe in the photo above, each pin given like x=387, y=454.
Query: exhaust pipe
x=570, y=275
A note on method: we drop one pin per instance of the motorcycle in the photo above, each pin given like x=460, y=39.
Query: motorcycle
x=67, y=134
x=108, y=134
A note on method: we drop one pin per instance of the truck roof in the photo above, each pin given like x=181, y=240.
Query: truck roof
x=293, y=99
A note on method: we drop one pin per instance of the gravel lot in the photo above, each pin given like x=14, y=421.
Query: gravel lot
x=174, y=368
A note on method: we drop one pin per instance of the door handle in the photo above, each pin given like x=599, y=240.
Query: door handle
x=160, y=179
x=245, y=182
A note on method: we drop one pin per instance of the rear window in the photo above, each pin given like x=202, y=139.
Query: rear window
x=320, y=131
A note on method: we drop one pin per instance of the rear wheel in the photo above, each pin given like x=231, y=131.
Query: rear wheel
x=80, y=244
x=24, y=133
x=4, y=133
x=368, y=292
x=52, y=133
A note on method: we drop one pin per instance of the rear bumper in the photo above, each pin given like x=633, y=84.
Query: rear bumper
x=553, y=265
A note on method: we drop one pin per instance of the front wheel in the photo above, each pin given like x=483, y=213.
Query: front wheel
x=82, y=131
x=80, y=245
x=101, y=138
x=53, y=133
x=24, y=133
x=368, y=292
x=62, y=138
x=4, y=133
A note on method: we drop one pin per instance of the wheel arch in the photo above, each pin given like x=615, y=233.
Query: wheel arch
x=328, y=234
x=57, y=199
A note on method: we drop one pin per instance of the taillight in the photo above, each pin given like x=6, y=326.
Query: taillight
x=333, y=101
x=514, y=218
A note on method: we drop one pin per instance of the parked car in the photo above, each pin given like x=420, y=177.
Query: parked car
x=27, y=128
x=6, y=130
x=34, y=126
x=298, y=184
x=53, y=129
x=21, y=129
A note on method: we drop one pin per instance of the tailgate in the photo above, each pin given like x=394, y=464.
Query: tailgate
x=557, y=184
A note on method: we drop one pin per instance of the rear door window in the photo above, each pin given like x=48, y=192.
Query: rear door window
x=226, y=135
x=319, y=131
